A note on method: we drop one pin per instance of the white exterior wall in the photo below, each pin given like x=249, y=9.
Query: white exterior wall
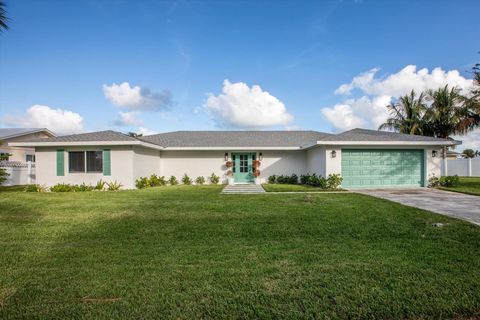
x=121, y=166
x=282, y=162
x=316, y=160
x=145, y=162
x=433, y=165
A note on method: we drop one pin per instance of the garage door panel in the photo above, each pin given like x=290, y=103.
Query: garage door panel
x=382, y=168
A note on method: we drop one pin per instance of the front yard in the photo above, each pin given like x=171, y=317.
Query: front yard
x=189, y=252
x=469, y=185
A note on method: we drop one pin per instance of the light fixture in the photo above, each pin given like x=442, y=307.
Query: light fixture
x=260, y=156
x=226, y=156
x=434, y=153
x=334, y=153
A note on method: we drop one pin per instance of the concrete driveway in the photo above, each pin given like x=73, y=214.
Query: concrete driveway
x=451, y=204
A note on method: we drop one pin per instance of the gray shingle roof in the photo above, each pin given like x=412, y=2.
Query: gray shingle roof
x=107, y=135
x=14, y=132
x=374, y=135
x=235, y=138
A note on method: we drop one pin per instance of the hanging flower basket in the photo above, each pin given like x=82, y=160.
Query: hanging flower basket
x=256, y=173
x=229, y=173
x=256, y=163
x=229, y=164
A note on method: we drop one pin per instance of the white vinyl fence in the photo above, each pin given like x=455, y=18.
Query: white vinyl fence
x=20, y=173
x=462, y=167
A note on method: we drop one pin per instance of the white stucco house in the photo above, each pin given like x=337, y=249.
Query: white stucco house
x=364, y=158
x=21, y=154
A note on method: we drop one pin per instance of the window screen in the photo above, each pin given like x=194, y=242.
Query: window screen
x=94, y=161
x=76, y=161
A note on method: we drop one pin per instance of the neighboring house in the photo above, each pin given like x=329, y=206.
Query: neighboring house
x=365, y=158
x=20, y=153
x=454, y=155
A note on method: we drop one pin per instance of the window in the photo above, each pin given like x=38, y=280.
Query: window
x=76, y=161
x=30, y=157
x=92, y=159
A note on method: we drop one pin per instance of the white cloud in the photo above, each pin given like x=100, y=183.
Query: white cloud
x=145, y=131
x=240, y=106
x=57, y=120
x=137, y=98
x=369, y=110
x=127, y=119
x=469, y=141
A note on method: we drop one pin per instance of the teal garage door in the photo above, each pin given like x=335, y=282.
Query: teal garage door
x=367, y=168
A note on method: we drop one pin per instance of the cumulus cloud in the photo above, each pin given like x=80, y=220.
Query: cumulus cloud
x=375, y=93
x=240, y=106
x=127, y=119
x=37, y=116
x=137, y=98
x=470, y=141
x=145, y=131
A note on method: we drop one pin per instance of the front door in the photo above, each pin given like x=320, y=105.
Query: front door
x=242, y=167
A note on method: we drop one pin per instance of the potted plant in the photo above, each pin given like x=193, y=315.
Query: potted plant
x=256, y=163
x=229, y=164
x=256, y=174
x=230, y=176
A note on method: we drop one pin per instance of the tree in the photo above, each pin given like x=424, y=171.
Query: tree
x=469, y=153
x=407, y=115
x=3, y=17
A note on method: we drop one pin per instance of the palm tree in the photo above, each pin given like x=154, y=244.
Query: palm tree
x=407, y=115
x=3, y=16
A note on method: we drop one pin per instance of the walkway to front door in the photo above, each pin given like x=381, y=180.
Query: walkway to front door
x=243, y=188
x=243, y=167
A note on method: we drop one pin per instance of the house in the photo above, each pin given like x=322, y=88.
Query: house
x=364, y=158
x=20, y=153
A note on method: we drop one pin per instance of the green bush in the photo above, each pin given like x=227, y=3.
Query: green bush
x=186, y=179
x=3, y=175
x=82, y=188
x=449, y=181
x=433, y=181
x=62, y=187
x=142, y=183
x=293, y=179
x=173, y=180
x=156, y=181
x=334, y=181
x=272, y=179
x=35, y=188
x=200, y=180
x=100, y=185
x=214, y=179
x=114, y=186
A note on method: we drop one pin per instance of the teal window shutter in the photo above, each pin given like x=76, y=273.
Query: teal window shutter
x=60, y=162
x=106, y=163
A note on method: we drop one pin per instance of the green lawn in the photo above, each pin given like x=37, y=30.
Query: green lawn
x=190, y=252
x=291, y=188
x=469, y=185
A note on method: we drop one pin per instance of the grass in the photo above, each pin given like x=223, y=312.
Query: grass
x=292, y=188
x=468, y=185
x=188, y=252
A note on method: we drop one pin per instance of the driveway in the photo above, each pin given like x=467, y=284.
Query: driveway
x=453, y=204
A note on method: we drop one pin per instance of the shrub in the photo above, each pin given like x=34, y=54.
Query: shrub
x=142, y=183
x=282, y=179
x=99, y=186
x=114, y=186
x=156, y=181
x=62, y=187
x=272, y=179
x=314, y=180
x=214, y=179
x=433, y=181
x=293, y=179
x=82, y=188
x=304, y=178
x=186, y=179
x=35, y=188
x=173, y=180
x=200, y=180
x=449, y=181
x=334, y=181
x=3, y=175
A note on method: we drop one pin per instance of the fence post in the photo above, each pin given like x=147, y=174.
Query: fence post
x=29, y=172
x=469, y=168
x=445, y=169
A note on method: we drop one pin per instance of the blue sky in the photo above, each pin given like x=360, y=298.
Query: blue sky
x=169, y=56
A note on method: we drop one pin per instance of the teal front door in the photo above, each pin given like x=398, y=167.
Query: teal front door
x=243, y=167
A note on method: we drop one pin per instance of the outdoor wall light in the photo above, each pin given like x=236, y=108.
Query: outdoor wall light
x=226, y=156
x=260, y=156
x=434, y=153
x=334, y=153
